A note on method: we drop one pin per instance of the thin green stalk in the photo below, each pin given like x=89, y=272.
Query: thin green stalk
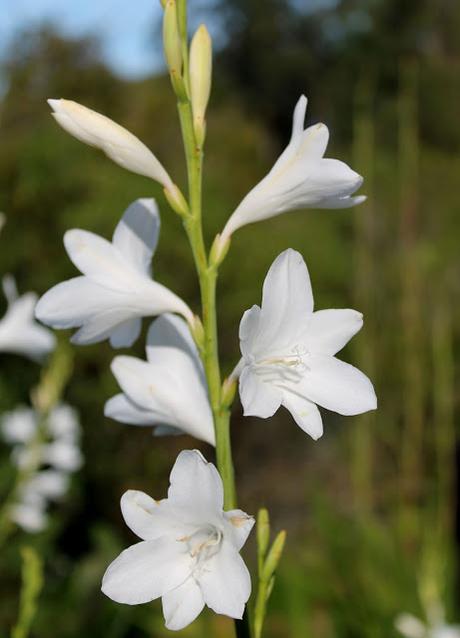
x=32, y=584
x=207, y=275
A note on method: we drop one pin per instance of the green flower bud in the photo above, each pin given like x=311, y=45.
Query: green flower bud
x=200, y=79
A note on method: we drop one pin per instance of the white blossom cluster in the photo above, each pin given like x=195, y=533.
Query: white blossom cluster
x=189, y=550
x=46, y=454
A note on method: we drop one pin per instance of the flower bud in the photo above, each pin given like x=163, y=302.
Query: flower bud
x=263, y=536
x=176, y=200
x=173, y=47
x=200, y=79
x=274, y=556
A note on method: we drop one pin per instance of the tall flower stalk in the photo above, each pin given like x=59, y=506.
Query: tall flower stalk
x=189, y=554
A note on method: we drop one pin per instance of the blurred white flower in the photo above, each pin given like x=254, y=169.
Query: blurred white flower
x=288, y=352
x=411, y=627
x=189, y=553
x=121, y=146
x=18, y=425
x=300, y=178
x=31, y=517
x=53, y=443
x=116, y=290
x=19, y=332
x=168, y=390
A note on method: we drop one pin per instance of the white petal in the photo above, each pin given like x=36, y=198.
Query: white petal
x=338, y=386
x=330, y=330
x=298, y=118
x=136, y=235
x=171, y=387
x=150, y=519
x=226, y=583
x=126, y=333
x=118, y=144
x=314, y=143
x=249, y=326
x=146, y=571
x=196, y=486
x=182, y=605
x=287, y=304
x=170, y=331
x=239, y=527
x=97, y=258
x=123, y=410
x=305, y=414
x=257, y=397
x=327, y=179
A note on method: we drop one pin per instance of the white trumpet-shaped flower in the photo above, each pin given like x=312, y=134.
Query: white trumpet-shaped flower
x=116, y=289
x=118, y=144
x=288, y=352
x=189, y=553
x=19, y=332
x=300, y=178
x=168, y=390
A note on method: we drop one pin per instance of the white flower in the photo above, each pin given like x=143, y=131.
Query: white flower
x=63, y=455
x=19, y=332
x=118, y=144
x=189, y=553
x=411, y=627
x=300, y=178
x=19, y=425
x=168, y=390
x=31, y=517
x=288, y=352
x=116, y=289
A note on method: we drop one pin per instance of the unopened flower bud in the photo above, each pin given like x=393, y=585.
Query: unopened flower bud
x=173, y=47
x=200, y=79
x=274, y=556
x=263, y=535
x=176, y=200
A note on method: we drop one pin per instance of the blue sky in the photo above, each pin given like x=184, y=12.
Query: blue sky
x=124, y=26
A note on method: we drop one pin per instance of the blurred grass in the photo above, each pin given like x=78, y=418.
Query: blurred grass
x=370, y=507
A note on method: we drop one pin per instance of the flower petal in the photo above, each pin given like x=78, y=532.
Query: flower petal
x=150, y=519
x=182, y=605
x=98, y=259
x=170, y=331
x=305, y=414
x=287, y=303
x=257, y=397
x=121, y=146
x=136, y=235
x=338, y=386
x=330, y=330
x=239, y=527
x=249, y=326
x=146, y=571
x=196, y=486
x=126, y=333
x=123, y=410
x=169, y=388
x=226, y=583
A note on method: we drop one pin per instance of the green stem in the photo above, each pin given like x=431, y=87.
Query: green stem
x=207, y=275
